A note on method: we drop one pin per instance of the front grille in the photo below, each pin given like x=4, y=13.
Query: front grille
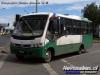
x=26, y=45
x=23, y=37
x=20, y=45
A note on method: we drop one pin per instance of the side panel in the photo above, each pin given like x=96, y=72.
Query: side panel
x=68, y=48
x=87, y=40
x=68, y=44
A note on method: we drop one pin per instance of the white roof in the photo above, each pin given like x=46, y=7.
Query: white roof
x=40, y=13
x=70, y=16
x=59, y=15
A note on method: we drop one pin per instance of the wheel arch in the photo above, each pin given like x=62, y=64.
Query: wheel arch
x=52, y=50
x=82, y=46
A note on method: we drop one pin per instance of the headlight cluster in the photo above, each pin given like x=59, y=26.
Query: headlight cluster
x=37, y=45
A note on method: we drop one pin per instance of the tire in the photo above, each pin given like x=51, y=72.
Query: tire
x=48, y=56
x=20, y=57
x=82, y=50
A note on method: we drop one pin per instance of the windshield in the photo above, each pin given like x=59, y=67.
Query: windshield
x=32, y=25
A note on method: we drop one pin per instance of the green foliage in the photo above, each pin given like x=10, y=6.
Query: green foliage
x=92, y=12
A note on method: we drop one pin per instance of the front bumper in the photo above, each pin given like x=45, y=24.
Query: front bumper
x=30, y=51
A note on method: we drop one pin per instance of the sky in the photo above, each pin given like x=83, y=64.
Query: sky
x=9, y=8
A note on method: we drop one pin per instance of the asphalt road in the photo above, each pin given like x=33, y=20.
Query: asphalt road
x=10, y=65
x=4, y=40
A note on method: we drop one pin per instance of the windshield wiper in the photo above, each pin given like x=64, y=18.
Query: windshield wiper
x=28, y=25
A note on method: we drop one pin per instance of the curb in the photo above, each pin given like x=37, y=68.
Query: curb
x=96, y=41
x=4, y=50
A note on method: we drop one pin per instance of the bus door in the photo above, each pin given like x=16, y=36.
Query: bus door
x=53, y=32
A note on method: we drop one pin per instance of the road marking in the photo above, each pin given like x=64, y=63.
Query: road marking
x=63, y=60
x=50, y=69
x=2, y=60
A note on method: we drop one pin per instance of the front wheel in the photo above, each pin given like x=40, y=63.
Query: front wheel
x=48, y=56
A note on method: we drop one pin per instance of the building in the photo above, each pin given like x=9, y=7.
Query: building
x=3, y=29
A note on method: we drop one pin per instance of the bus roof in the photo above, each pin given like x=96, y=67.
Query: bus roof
x=70, y=16
x=74, y=17
x=40, y=13
x=85, y=19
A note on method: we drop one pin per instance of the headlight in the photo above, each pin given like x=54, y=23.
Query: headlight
x=32, y=45
x=37, y=45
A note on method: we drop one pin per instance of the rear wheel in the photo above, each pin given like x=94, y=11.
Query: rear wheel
x=48, y=56
x=82, y=50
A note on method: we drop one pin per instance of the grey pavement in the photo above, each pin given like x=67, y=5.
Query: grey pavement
x=10, y=65
x=4, y=43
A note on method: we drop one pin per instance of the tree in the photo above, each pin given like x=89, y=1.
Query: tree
x=92, y=12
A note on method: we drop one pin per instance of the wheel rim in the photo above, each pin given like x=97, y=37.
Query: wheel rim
x=48, y=56
x=80, y=51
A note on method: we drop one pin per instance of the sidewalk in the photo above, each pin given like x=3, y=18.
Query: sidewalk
x=4, y=43
x=96, y=41
x=5, y=49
